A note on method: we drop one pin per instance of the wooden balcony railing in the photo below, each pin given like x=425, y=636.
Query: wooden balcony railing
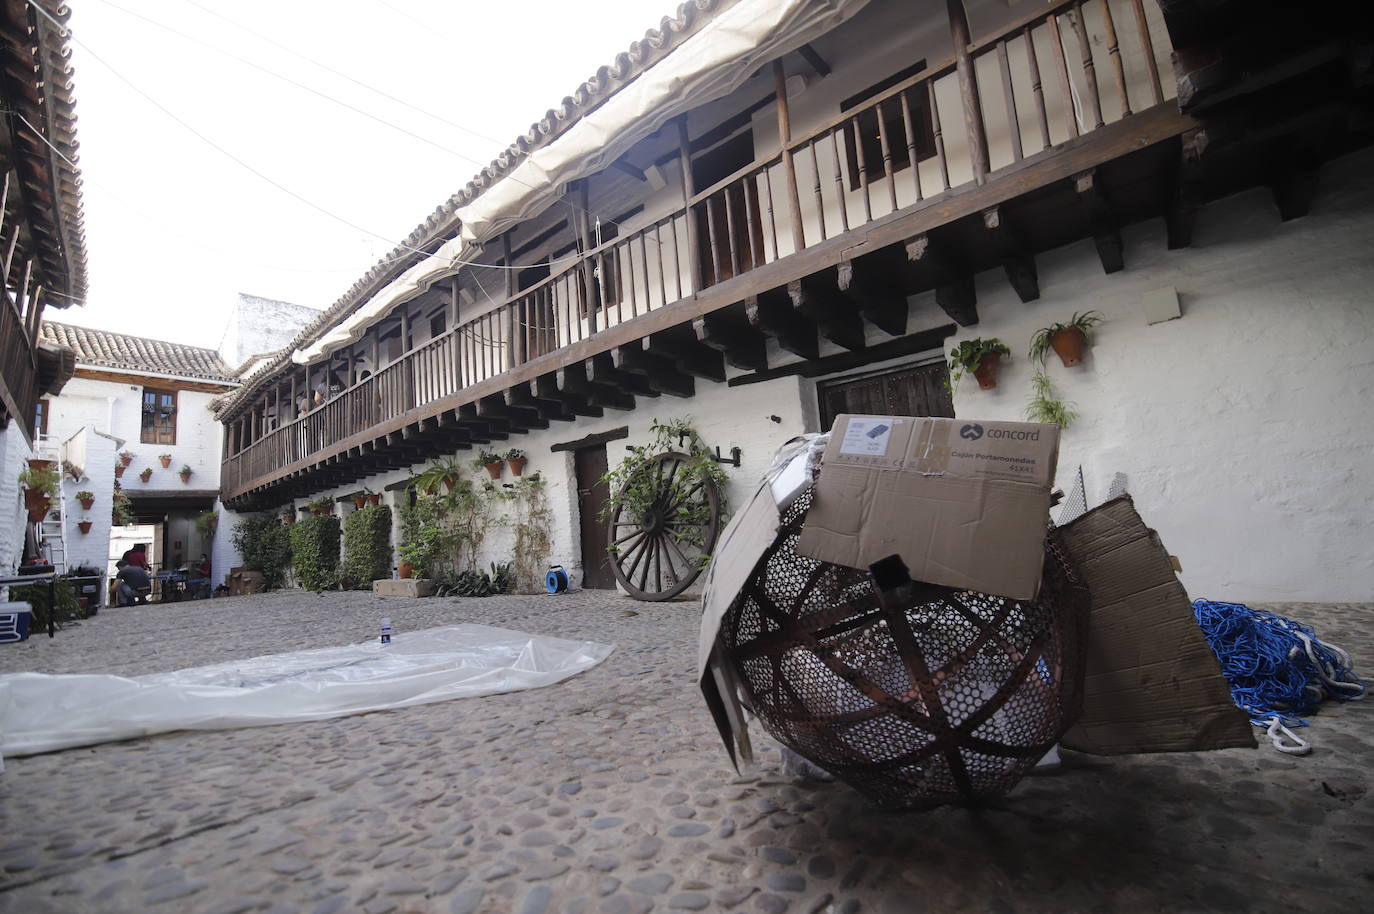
x=18, y=368
x=993, y=104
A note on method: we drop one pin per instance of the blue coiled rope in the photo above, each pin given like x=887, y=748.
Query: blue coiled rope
x=1277, y=668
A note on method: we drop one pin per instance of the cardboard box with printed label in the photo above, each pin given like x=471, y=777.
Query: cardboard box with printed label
x=964, y=503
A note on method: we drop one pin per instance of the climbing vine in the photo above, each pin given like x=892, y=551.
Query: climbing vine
x=533, y=523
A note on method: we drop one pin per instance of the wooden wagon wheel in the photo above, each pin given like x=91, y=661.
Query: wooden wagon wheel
x=660, y=544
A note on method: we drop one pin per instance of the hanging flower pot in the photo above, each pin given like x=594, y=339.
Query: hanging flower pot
x=359, y=501
x=375, y=499
x=37, y=504
x=1068, y=344
x=517, y=465
x=986, y=372
x=288, y=519
x=119, y=470
x=495, y=469
x=86, y=503
x=39, y=464
x=125, y=458
x=85, y=526
x=185, y=477
x=146, y=475
x=165, y=460
x=405, y=570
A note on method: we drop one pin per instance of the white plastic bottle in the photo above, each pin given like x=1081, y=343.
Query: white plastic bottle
x=386, y=631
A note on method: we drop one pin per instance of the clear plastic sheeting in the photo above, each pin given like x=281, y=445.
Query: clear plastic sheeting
x=41, y=712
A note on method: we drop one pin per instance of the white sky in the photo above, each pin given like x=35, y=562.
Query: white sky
x=175, y=229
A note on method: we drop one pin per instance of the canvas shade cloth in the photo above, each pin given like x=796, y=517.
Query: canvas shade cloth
x=41, y=712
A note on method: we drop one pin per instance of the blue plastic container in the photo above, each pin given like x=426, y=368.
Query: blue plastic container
x=14, y=622
x=556, y=580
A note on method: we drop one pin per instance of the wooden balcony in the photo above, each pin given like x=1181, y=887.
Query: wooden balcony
x=18, y=369
x=1017, y=143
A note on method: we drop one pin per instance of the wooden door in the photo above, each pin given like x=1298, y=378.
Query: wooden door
x=592, y=497
x=922, y=390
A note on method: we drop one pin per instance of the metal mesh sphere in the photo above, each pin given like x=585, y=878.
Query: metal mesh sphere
x=942, y=697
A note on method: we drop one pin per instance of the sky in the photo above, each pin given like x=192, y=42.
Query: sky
x=175, y=228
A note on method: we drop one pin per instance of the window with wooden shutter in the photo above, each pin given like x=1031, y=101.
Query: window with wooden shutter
x=159, y=416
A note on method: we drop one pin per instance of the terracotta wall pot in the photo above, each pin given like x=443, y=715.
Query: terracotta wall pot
x=37, y=504
x=119, y=470
x=125, y=461
x=1068, y=344
x=494, y=469
x=359, y=501
x=165, y=461
x=288, y=519
x=145, y=476
x=374, y=500
x=405, y=570
x=185, y=477
x=86, y=503
x=85, y=526
x=517, y=465
x=37, y=464
x=986, y=372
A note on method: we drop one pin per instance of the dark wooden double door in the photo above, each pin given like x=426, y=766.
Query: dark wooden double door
x=592, y=498
x=921, y=390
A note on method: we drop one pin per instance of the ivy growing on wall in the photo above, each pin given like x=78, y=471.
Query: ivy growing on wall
x=315, y=552
x=533, y=522
x=262, y=541
x=367, y=546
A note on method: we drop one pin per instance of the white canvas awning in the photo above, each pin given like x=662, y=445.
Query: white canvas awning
x=710, y=64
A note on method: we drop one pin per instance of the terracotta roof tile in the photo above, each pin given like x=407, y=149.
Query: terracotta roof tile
x=137, y=353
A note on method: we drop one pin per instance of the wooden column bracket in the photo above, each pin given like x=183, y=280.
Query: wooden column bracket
x=1017, y=261
x=660, y=373
x=520, y=397
x=547, y=388
x=575, y=379
x=681, y=347
x=1102, y=221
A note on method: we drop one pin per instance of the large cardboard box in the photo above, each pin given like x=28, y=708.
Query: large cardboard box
x=1151, y=682
x=964, y=503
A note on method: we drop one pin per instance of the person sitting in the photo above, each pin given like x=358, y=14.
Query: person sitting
x=137, y=556
x=133, y=584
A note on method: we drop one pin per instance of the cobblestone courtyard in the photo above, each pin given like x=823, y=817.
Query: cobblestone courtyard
x=611, y=793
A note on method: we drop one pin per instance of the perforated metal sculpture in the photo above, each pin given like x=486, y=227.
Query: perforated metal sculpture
x=915, y=695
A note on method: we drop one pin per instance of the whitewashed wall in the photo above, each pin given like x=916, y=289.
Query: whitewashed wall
x=1243, y=426
x=223, y=555
x=14, y=450
x=261, y=325
x=98, y=456
x=116, y=409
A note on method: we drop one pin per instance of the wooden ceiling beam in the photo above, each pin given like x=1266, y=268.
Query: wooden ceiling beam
x=1017, y=261
x=772, y=314
x=1102, y=222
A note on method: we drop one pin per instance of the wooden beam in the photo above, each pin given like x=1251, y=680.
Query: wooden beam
x=1017, y=261
x=1185, y=190
x=1102, y=221
x=520, y=396
x=573, y=381
x=680, y=345
x=636, y=173
x=873, y=284
x=729, y=332
x=817, y=62
x=660, y=373
x=818, y=297
x=595, y=440
x=923, y=341
x=602, y=372
x=547, y=388
x=946, y=272
x=788, y=166
x=772, y=314
x=521, y=418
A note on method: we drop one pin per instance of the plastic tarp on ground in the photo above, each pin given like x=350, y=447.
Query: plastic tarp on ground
x=41, y=712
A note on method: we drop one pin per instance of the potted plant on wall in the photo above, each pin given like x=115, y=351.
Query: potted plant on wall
x=321, y=506
x=289, y=516
x=444, y=473
x=373, y=498
x=40, y=488
x=165, y=459
x=1067, y=339
x=979, y=356
x=86, y=498
x=147, y=474
x=494, y=463
x=85, y=526
x=207, y=522
x=126, y=458
x=119, y=470
x=185, y=473
x=516, y=458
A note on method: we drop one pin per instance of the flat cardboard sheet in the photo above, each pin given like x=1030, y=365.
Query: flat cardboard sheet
x=965, y=503
x=1152, y=684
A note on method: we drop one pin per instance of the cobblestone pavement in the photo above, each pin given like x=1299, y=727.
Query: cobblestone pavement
x=611, y=793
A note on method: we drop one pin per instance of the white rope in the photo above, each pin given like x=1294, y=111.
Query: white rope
x=1278, y=732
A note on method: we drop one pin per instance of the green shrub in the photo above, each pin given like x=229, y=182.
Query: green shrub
x=36, y=595
x=315, y=552
x=367, y=546
x=262, y=541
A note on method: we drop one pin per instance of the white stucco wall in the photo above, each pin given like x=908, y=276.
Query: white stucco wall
x=116, y=409
x=14, y=450
x=1243, y=426
x=223, y=555
x=261, y=325
x=97, y=459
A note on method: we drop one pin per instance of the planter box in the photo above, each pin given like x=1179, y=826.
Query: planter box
x=243, y=582
x=404, y=587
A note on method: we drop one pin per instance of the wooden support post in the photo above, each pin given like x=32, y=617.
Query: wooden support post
x=1185, y=192
x=1017, y=262
x=660, y=373
x=818, y=297
x=1101, y=220
x=585, y=266
x=968, y=91
x=772, y=314
x=874, y=287
x=789, y=167
x=684, y=153
x=729, y=332
x=947, y=274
